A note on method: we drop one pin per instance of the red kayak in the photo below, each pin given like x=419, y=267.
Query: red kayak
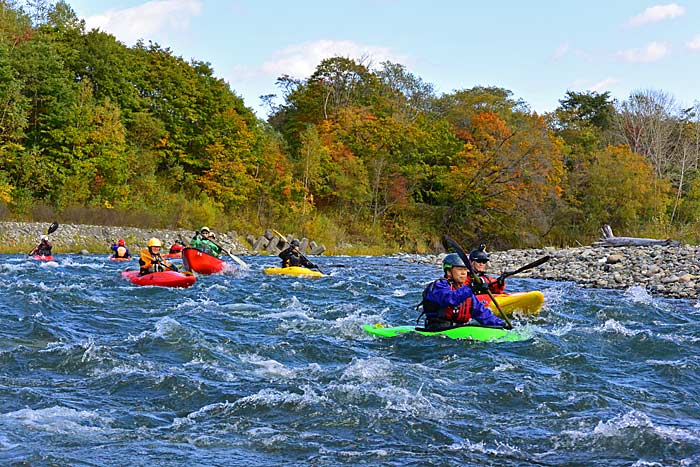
x=161, y=279
x=114, y=258
x=43, y=258
x=201, y=262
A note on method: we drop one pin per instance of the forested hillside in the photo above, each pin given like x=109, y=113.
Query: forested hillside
x=357, y=153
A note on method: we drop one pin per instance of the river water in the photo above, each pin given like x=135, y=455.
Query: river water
x=244, y=369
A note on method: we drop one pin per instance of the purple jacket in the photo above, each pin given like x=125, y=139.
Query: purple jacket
x=440, y=293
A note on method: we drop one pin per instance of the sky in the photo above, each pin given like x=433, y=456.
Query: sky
x=538, y=50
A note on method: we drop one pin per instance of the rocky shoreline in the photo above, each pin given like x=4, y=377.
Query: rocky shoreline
x=665, y=270
x=81, y=238
x=669, y=271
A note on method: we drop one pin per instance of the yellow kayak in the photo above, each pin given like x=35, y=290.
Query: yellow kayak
x=527, y=303
x=297, y=271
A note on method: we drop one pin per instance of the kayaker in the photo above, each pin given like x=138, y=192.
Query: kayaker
x=120, y=250
x=450, y=302
x=203, y=240
x=43, y=248
x=479, y=259
x=291, y=256
x=176, y=247
x=151, y=260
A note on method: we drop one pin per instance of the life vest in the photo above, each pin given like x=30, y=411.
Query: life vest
x=150, y=263
x=44, y=249
x=433, y=311
x=176, y=248
x=121, y=252
x=487, y=283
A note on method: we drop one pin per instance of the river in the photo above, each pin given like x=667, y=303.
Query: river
x=245, y=369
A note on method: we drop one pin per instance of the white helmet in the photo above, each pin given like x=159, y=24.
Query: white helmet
x=45, y=237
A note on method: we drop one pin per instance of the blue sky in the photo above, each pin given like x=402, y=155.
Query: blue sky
x=536, y=49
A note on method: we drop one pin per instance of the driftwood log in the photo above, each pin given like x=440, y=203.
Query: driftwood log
x=611, y=240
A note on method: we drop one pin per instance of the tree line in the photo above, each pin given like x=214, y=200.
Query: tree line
x=363, y=152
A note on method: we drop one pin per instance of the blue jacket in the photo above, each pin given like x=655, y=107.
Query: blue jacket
x=442, y=296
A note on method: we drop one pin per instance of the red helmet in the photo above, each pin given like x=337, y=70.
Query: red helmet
x=121, y=242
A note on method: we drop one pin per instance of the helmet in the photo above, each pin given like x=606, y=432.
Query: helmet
x=121, y=242
x=452, y=260
x=154, y=242
x=295, y=243
x=45, y=238
x=204, y=229
x=479, y=255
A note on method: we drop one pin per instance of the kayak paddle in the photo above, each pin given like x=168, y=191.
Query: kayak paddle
x=542, y=260
x=52, y=228
x=300, y=253
x=242, y=263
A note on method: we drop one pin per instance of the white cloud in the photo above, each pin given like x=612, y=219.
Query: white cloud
x=146, y=21
x=652, y=52
x=561, y=51
x=694, y=43
x=603, y=85
x=301, y=60
x=657, y=13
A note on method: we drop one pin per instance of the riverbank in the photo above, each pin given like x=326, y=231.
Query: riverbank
x=670, y=271
x=20, y=237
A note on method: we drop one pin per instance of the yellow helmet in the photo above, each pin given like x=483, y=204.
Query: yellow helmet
x=154, y=242
x=204, y=229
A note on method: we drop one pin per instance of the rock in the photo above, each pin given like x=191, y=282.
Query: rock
x=614, y=259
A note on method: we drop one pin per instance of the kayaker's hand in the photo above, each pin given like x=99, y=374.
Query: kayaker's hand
x=501, y=281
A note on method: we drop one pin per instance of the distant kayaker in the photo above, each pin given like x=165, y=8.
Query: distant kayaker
x=151, y=260
x=176, y=247
x=479, y=259
x=43, y=248
x=291, y=256
x=204, y=240
x=120, y=250
x=449, y=302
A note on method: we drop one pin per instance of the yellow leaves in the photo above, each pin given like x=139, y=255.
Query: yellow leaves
x=616, y=174
x=6, y=192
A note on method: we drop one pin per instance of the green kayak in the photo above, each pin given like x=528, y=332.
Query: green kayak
x=471, y=332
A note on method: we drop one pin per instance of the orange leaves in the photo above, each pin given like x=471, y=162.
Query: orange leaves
x=488, y=130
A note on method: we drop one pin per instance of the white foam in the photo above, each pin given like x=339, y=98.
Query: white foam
x=638, y=294
x=640, y=421
x=371, y=369
x=268, y=368
x=616, y=327
x=274, y=398
x=62, y=420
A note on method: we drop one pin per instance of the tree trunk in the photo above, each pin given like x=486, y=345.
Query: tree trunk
x=610, y=240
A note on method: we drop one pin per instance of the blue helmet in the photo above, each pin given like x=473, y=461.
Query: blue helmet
x=452, y=260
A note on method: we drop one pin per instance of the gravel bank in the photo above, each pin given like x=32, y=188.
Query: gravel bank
x=669, y=271
x=88, y=239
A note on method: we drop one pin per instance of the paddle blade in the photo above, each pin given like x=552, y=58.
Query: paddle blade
x=538, y=262
x=52, y=228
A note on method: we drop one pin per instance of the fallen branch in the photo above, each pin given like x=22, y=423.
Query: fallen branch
x=610, y=240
